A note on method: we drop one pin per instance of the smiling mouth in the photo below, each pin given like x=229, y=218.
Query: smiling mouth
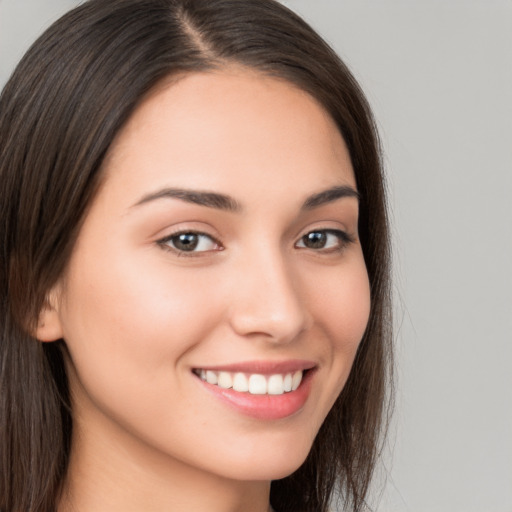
x=253, y=383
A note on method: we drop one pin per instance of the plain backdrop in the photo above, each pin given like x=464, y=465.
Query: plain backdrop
x=439, y=77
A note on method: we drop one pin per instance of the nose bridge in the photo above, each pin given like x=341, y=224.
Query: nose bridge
x=267, y=300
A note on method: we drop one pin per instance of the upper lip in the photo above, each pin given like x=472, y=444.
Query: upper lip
x=262, y=367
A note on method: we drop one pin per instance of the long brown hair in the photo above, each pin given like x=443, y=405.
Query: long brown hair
x=66, y=101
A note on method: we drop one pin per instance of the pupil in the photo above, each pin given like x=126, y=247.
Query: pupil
x=186, y=242
x=315, y=240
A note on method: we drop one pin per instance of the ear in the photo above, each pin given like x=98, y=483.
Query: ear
x=49, y=327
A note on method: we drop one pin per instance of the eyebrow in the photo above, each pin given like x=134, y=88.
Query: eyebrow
x=329, y=195
x=202, y=198
x=228, y=203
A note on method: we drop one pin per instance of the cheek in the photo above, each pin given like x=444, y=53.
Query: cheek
x=126, y=321
x=341, y=305
x=347, y=311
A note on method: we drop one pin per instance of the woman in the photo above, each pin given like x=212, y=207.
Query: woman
x=194, y=279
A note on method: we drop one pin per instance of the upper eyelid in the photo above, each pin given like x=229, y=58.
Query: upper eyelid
x=345, y=236
x=333, y=230
x=182, y=231
x=186, y=232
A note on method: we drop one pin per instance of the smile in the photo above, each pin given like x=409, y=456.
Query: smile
x=266, y=390
x=255, y=383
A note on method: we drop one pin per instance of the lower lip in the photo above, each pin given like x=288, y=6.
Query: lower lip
x=265, y=407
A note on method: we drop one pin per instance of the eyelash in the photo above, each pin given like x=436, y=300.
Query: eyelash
x=165, y=243
x=343, y=237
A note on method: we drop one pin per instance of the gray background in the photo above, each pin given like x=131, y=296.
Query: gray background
x=439, y=77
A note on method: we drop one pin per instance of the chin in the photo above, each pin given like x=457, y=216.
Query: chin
x=268, y=464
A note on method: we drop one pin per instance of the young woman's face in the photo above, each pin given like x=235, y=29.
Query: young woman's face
x=222, y=247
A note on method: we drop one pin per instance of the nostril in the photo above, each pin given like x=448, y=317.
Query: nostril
x=268, y=320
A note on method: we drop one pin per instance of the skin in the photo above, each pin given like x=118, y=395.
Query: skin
x=137, y=317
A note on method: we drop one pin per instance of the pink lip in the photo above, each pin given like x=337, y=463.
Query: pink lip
x=264, y=407
x=263, y=367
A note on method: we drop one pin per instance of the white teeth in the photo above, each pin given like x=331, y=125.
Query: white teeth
x=255, y=384
x=296, y=380
x=225, y=380
x=211, y=377
x=275, y=385
x=240, y=383
x=287, y=382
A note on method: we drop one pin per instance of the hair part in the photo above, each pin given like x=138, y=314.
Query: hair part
x=60, y=112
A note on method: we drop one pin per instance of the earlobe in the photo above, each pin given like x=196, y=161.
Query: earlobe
x=49, y=326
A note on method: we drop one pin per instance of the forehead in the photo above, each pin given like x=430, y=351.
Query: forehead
x=232, y=127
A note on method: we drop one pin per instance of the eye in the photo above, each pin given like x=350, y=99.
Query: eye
x=325, y=239
x=190, y=242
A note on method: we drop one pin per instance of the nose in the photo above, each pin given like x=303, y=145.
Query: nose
x=266, y=301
